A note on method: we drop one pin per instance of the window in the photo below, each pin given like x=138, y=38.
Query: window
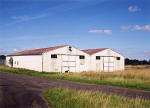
x=54, y=56
x=15, y=62
x=82, y=57
x=118, y=58
x=98, y=57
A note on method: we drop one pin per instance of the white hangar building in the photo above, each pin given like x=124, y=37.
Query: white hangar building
x=67, y=58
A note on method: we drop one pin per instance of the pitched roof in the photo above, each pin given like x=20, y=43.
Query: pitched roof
x=93, y=51
x=36, y=51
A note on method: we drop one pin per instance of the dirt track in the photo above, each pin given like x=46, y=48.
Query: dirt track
x=21, y=91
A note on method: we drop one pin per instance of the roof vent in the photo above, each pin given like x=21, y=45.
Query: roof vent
x=70, y=48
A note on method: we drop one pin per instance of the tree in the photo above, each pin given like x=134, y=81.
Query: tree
x=2, y=57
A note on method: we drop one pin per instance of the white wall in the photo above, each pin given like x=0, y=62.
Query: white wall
x=32, y=62
x=118, y=64
x=55, y=65
x=7, y=60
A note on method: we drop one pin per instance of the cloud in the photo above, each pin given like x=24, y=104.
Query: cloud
x=135, y=28
x=106, y=32
x=15, y=49
x=25, y=18
x=7, y=51
x=2, y=50
x=133, y=8
x=68, y=5
x=20, y=17
x=141, y=28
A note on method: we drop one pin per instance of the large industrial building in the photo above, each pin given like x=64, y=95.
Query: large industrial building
x=67, y=58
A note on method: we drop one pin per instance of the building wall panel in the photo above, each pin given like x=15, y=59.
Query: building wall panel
x=33, y=62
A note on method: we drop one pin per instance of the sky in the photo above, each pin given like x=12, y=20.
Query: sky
x=122, y=25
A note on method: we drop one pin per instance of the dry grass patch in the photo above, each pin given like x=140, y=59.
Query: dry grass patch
x=136, y=77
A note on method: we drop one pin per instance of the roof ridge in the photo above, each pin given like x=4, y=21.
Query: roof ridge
x=46, y=48
x=93, y=51
x=36, y=51
x=95, y=48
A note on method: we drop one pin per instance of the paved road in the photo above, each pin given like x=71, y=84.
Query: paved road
x=21, y=91
x=14, y=94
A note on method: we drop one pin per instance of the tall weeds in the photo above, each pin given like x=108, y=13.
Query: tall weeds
x=65, y=98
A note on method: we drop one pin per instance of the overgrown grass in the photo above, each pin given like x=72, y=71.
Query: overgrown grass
x=137, y=77
x=64, y=98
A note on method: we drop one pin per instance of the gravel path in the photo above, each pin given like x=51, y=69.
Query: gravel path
x=21, y=91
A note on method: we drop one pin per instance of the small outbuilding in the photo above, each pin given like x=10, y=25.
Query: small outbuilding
x=66, y=58
x=2, y=59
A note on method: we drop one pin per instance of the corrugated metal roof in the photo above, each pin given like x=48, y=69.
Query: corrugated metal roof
x=93, y=51
x=35, y=51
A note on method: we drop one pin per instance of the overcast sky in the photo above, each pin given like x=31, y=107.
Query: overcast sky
x=123, y=25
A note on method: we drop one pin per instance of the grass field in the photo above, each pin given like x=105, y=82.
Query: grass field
x=136, y=77
x=64, y=98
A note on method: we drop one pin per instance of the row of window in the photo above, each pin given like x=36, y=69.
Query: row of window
x=83, y=57
x=99, y=57
x=55, y=56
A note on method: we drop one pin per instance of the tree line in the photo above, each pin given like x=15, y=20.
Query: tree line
x=136, y=62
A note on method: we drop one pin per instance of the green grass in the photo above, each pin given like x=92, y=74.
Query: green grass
x=64, y=98
x=132, y=78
